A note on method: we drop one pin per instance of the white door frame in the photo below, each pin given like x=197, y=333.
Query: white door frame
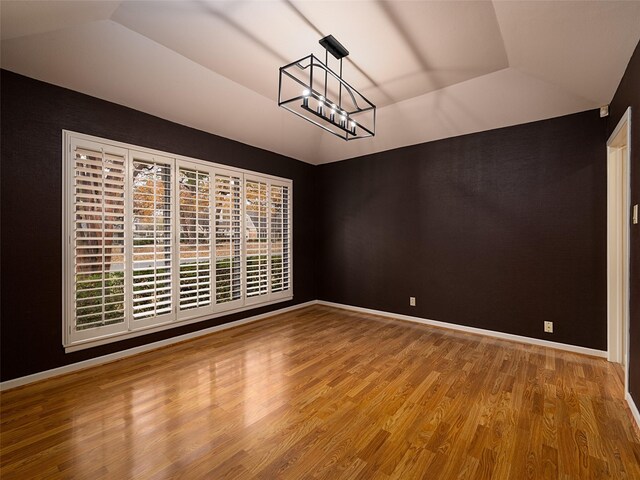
x=618, y=220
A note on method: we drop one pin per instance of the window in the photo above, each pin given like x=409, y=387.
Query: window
x=154, y=240
x=228, y=238
x=280, y=234
x=256, y=234
x=195, y=239
x=98, y=244
x=152, y=250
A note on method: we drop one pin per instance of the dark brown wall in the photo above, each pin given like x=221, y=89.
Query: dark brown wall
x=499, y=230
x=33, y=117
x=628, y=95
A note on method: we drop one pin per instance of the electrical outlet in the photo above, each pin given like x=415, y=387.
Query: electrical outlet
x=548, y=327
x=412, y=301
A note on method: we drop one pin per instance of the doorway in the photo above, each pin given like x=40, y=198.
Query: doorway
x=618, y=222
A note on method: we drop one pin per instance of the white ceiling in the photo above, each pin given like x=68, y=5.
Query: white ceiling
x=435, y=69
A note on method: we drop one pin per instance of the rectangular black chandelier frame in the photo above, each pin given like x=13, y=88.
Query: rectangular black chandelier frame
x=331, y=116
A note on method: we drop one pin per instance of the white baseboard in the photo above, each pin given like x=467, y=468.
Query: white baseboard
x=634, y=409
x=16, y=382
x=54, y=372
x=478, y=331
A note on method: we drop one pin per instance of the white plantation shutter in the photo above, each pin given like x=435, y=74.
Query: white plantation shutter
x=228, y=239
x=97, y=239
x=152, y=250
x=257, y=239
x=194, y=238
x=151, y=240
x=280, y=237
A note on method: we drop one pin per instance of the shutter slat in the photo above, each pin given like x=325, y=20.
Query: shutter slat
x=256, y=234
x=194, y=242
x=228, y=192
x=152, y=253
x=98, y=239
x=280, y=238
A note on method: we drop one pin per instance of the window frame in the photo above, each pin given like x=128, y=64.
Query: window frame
x=71, y=340
x=68, y=246
x=241, y=302
x=166, y=318
x=197, y=312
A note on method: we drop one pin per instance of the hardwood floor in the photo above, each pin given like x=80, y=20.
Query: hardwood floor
x=321, y=393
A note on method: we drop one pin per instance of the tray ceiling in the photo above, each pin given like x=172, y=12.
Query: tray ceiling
x=434, y=69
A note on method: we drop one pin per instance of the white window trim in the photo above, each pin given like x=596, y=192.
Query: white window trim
x=72, y=342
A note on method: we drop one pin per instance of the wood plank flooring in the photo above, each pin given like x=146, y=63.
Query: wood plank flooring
x=321, y=393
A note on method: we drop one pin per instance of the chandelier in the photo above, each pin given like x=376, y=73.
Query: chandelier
x=313, y=91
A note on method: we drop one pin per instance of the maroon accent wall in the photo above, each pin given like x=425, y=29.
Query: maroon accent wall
x=628, y=95
x=499, y=230
x=33, y=117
